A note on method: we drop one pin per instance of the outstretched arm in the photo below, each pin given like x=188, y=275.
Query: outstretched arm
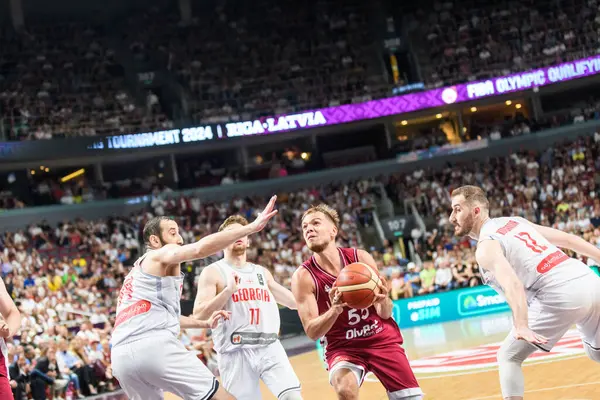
x=383, y=303
x=569, y=241
x=282, y=295
x=209, y=245
x=315, y=325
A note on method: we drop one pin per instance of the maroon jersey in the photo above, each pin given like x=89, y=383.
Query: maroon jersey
x=353, y=328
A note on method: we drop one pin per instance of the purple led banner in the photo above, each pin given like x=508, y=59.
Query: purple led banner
x=357, y=112
x=463, y=92
x=419, y=101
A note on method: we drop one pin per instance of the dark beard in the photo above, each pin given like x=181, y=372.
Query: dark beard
x=466, y=227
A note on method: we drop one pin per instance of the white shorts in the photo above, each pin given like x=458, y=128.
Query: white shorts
x=554, y=310
x=241, y=371
x=147, y=367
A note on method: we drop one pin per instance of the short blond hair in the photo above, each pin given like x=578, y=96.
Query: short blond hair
x=329, y=212
x=233, y=219
x=472, y=195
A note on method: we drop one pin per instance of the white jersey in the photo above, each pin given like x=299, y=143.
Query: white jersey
x=536, y=261
x=254, y=320
x=147, y=303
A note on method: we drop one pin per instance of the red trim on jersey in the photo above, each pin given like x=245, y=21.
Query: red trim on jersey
x=342, y=257
x=314, y=259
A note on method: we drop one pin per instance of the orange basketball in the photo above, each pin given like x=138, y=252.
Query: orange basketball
x=357, y=284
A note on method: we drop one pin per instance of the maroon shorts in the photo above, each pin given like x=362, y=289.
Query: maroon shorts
x=5, y=389
x=389, y=364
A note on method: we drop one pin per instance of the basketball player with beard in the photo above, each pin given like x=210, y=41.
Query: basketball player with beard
x=354, y=341
x=247, y=345
x=547, y=291
x=147, y=356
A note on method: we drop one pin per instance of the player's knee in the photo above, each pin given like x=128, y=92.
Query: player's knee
x=345, y=386
x=592, y=352
x=295, y=395
x=512, y=354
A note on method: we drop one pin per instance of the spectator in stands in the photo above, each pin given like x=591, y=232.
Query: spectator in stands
x=460, y=272
x=400, y=287
x=427, y=276
x=72, y=362
x=443, y=277
x=48, y=366
x=19, y=377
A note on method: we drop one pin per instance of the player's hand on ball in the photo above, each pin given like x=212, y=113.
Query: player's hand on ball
x=269, y=212
x=383, y=292
x=335, y=298
x=217, y=316
x=4, y=332
x=529, y=336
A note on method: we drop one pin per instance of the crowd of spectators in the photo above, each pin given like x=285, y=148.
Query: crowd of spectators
x=557, y=187
x=474, y=39
x=64, y=278
x=61, y=80
x=242, y=60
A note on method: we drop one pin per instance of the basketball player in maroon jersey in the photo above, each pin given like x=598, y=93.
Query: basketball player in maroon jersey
x=354, y=341
x=10, y=322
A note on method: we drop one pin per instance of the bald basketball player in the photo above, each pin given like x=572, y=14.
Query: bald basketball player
x=147, y=357
x=548, y=292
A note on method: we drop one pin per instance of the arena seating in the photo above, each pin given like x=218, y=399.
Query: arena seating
x=65, y=276
x=245, y=59
x=61, y=80
x=276, y=58
x=474, y=39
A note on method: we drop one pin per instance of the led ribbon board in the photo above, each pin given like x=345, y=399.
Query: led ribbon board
x=358, y=112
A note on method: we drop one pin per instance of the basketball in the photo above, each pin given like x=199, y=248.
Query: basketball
x=357, y=284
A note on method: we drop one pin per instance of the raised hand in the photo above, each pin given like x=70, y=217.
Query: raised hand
x=269, y=212
x=4, y=331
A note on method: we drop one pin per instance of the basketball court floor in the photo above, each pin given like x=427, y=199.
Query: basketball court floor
x=456, y=361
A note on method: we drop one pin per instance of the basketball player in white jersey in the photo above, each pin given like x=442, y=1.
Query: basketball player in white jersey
x=547, y=291
x=10, y=322
x=247, y=345
x=147, y=358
